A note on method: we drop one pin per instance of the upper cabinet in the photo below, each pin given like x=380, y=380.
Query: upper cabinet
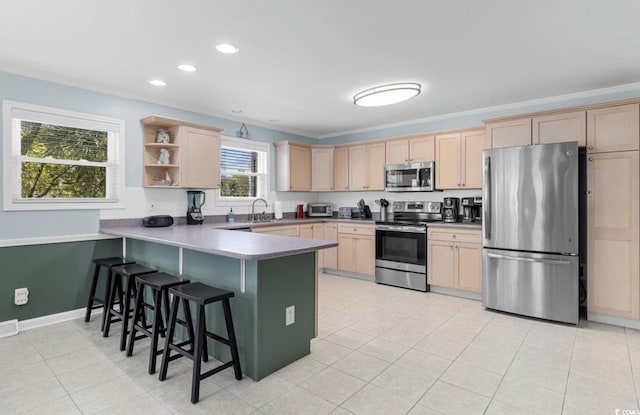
x=559, y=128
x=180, y=154
x=341, y=169
x=411, y=150
x=322, y=169
x=613, y=129
x=366, y=166
x=508, y=133
x=293, y=167
x=459, y=160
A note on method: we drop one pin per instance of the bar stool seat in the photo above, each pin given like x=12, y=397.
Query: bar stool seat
x=159, y=283
x=200, y=294
x=108, y=264
x=128, y=273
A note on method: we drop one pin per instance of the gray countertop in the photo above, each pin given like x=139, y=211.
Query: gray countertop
x=214, y=240
x=220, y=238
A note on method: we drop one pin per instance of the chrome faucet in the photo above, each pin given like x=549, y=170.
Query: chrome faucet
x=253, y=207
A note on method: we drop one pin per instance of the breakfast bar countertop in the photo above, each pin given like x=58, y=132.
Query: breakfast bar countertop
x=224, y=242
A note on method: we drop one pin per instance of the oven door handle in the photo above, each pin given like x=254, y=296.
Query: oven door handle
x=406, y=229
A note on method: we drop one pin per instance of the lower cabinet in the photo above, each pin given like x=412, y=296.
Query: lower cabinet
x=284, y=230
x=356, y=249
x=330, y=233
x=454, y=258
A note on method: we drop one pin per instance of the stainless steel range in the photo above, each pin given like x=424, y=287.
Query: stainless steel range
x=401, y=244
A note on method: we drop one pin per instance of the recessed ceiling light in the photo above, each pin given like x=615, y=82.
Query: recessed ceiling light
x=236, y=111
x=273, y=120
x=227, y=48
x=187, y=68
x=387, y=94
x=158, y=82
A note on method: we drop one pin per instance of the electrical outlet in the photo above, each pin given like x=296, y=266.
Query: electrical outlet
x=21, y=296
x=290, y=315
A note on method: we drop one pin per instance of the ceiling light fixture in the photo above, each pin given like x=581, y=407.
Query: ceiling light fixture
x=227, y=48
x=387, y=94
x=158, y=82
x=237, y=111
x=187, y=68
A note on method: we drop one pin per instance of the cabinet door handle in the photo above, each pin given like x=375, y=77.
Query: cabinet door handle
x=453, y=236
x=590, y=147
x=588, y=192
x=590, y=158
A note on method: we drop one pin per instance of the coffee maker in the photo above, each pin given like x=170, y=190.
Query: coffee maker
x=468, y=210
x=195, y=200
x=450, y=209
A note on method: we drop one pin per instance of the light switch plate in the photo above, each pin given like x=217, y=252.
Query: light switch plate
x=290, y=315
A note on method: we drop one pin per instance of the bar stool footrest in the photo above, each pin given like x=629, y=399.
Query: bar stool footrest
x=217, y=338
x=216, y=370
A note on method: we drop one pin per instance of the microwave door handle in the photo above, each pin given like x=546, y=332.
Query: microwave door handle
x=487, y=198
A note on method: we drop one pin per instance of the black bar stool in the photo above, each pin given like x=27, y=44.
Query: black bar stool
x=128, y=273
x=159, y=283
x=107, y=263
x=201, y=294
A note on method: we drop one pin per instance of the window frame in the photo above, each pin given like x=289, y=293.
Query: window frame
x=11, y=192
x=244, y=144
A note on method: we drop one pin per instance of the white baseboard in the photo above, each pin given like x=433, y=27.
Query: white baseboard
x=13, y=327
x=456, y=293
x=8, y=328
x=616, y=321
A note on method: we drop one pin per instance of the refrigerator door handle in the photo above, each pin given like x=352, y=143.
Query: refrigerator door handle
x=487, y=198
x=543, y=261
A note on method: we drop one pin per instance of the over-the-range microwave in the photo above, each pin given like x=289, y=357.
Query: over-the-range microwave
x=410, y=177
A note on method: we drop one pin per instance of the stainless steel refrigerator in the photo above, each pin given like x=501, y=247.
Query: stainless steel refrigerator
x=530, y=262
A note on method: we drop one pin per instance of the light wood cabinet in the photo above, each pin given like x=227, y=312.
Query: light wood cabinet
x=613, y=270
x=322, y=169
x=356, y=249
x=559, y=128
x=306, y=231
x=448, y=156
x=330, y=233
x=459, y=160
x=509, y=133
x=293, y=167
x=341, y=169
x=613, y=129
x=366, y=166
x=411, y=150
x=454, y=258
x=283, y=230
x=194, y=154
x=317, y=232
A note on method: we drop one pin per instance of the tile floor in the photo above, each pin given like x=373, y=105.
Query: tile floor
x=381, y=350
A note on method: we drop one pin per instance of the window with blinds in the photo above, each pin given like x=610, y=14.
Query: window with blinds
x=243, y=169
x=60, y=160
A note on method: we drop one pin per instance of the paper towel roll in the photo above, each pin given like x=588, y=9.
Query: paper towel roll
x=277, y=210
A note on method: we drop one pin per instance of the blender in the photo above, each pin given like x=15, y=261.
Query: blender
x=195, y=200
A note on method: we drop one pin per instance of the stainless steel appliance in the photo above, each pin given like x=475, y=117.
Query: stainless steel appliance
x=320, y=209
x=401, y=245
x=195, y=200
x=410, y=177
x=477, y=204
x=450, y=209
x=530, y=231
x=468, y=210
x=348, y=213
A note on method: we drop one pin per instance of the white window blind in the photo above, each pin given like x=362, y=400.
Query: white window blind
x=243, y=169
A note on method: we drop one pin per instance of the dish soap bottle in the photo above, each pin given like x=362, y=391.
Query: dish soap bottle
x=231, y=217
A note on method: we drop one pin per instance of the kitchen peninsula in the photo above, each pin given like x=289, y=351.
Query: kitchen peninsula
x=268, y=274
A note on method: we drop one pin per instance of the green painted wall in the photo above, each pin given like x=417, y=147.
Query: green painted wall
x=265, y=344
x=58, y=276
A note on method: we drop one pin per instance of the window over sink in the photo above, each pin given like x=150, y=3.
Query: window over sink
x=243, y=170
